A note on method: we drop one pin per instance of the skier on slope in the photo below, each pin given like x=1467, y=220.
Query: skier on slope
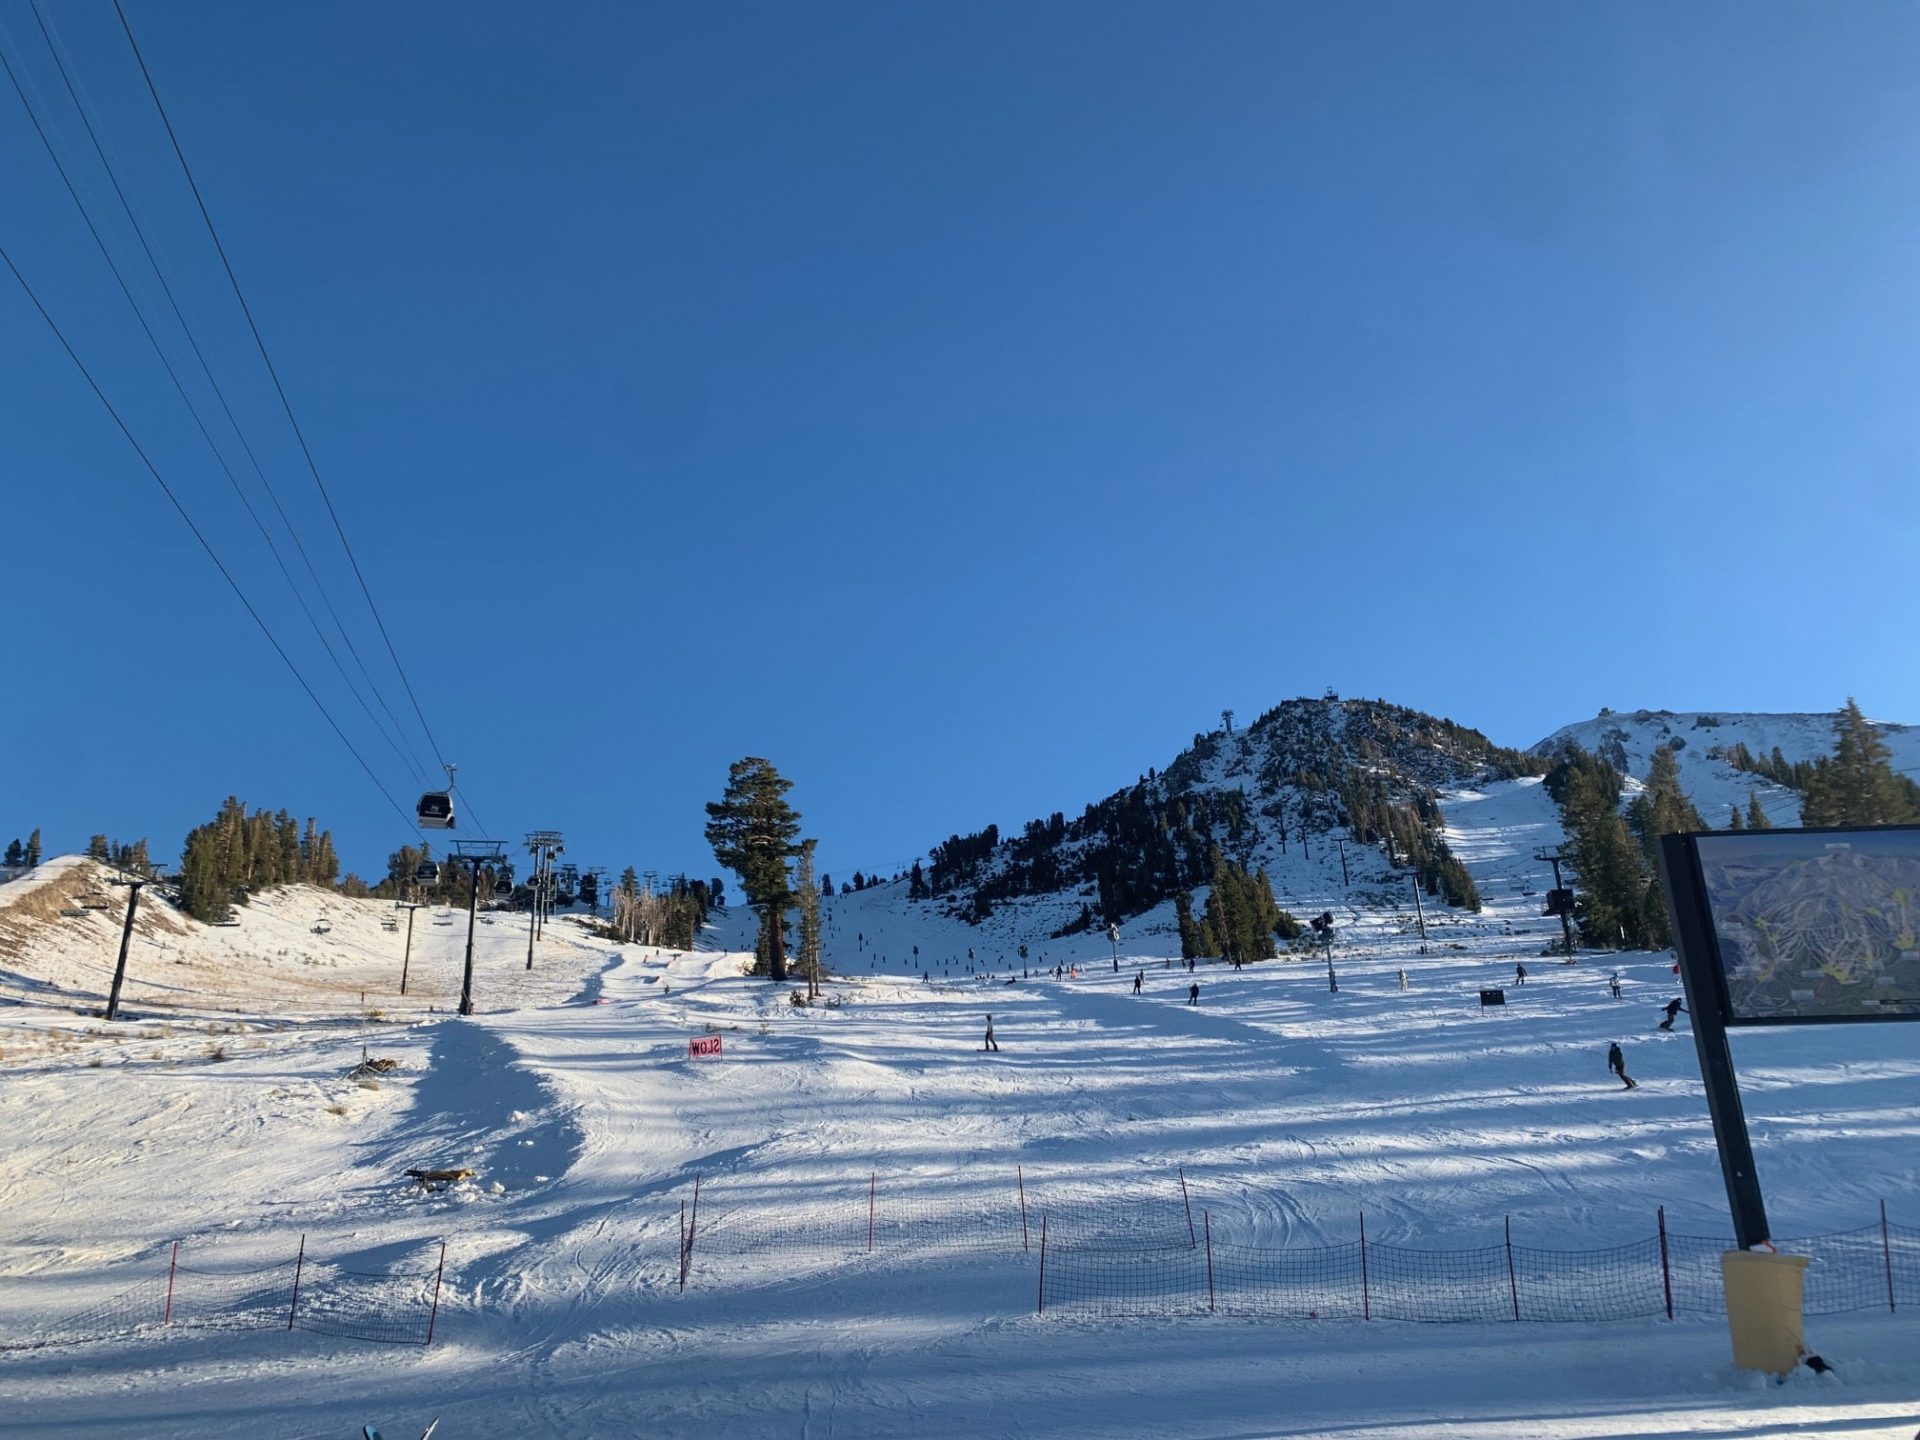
x=1139, y=976
x=1673, y=1008
x=1519, y=974
x=1613, y=984
x=1617, y=1063
x=992, y=1044
x=1193, y=993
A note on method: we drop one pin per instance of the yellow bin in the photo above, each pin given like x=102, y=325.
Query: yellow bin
x=1763, y=1308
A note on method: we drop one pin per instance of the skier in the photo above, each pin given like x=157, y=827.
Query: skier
x=1403, y=979
x=1673, y=1008
x=1193, y=994
x=992, y=1044
x=1617, y=1063
x=1613, y=984
x=1139, y=976
x=1519, y=974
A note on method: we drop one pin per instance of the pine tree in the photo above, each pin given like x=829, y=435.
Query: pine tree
x=1663, y=808
x=1736, y=821
x=16, y=853
x=97, y=848
x=752, y=830
x=1857, y=786
x=33, y=847
x=1756, y=817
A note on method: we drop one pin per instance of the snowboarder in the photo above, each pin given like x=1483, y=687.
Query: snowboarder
x=1617, y=1063
x=1673, y=1008
x=1139, y=976
x=1193, y=994
x=1519, y=974
x=992, y=1044
x=1613, y=984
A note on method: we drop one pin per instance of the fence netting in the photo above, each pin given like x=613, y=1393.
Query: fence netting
x=396, y=1306
x=1151, y=1248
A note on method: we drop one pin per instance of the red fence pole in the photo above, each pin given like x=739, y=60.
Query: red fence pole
x=1192, y=1239
x=873, y=1185
x=433, y=1314
x=1206, y=1221
x=1513, y=1286
x=1042, y=1308
x=1366, y=1290
x=1020, y=1178
x=298, y=1264
x=1886, y=1253
x=1666, y=1269
x=166, y=1316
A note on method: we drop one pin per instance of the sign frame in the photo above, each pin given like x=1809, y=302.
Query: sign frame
x=1703, y=978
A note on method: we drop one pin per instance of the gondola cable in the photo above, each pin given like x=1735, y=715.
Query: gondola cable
x=411, y=758
x=285, y=404
x=225, y=574
x=126, y=291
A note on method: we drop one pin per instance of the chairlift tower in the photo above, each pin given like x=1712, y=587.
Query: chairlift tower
x=543, y=846
x=1560, y=898
x=134, y=883
x=473, y=854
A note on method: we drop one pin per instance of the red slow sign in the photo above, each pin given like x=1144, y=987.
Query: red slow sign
x=703, y=1045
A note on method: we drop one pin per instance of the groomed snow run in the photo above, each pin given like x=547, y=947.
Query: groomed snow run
x=221, y=1114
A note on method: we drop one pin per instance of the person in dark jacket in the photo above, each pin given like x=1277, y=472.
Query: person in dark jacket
x=1613, y=984
x=1617, y=1063
x=1193, y=994
x=1138, y=979
x=1519, y=974
x=1673, y=1007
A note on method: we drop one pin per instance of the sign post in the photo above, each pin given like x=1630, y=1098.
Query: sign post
x=1784, y=927
x=703, y=1045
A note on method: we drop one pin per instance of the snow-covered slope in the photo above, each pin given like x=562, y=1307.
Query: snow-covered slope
x=1289, y=1107
x=1699, y=739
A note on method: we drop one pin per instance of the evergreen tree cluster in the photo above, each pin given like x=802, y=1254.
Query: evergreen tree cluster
x=236, y=854
x=1618, y=899
x=118, y=853
x=1793, y=774
x=1241, y=920
x=1615, y=858
x=27, y=854
x=1858, y=785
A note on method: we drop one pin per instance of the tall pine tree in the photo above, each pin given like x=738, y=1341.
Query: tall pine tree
x=753, y=831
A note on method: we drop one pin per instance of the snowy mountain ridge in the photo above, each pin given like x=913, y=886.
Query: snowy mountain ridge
x=1700, y=741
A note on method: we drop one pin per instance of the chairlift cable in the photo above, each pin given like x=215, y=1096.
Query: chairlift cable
x=411, y=758
x=173, y=375
x=279, y=389
x=205, y=545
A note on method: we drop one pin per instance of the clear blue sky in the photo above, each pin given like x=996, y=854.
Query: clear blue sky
x=958, y=404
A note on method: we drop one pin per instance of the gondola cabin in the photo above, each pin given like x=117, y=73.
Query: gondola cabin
x=428, y=872
x=435, y=810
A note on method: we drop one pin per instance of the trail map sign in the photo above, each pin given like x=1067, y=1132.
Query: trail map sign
x=702, y=1045
x=1787, y=927
x=1815, y=925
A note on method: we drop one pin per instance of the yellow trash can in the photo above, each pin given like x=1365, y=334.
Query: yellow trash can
x=1763, y=1308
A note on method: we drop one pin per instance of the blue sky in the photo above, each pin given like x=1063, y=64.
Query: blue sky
x=958, y=404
